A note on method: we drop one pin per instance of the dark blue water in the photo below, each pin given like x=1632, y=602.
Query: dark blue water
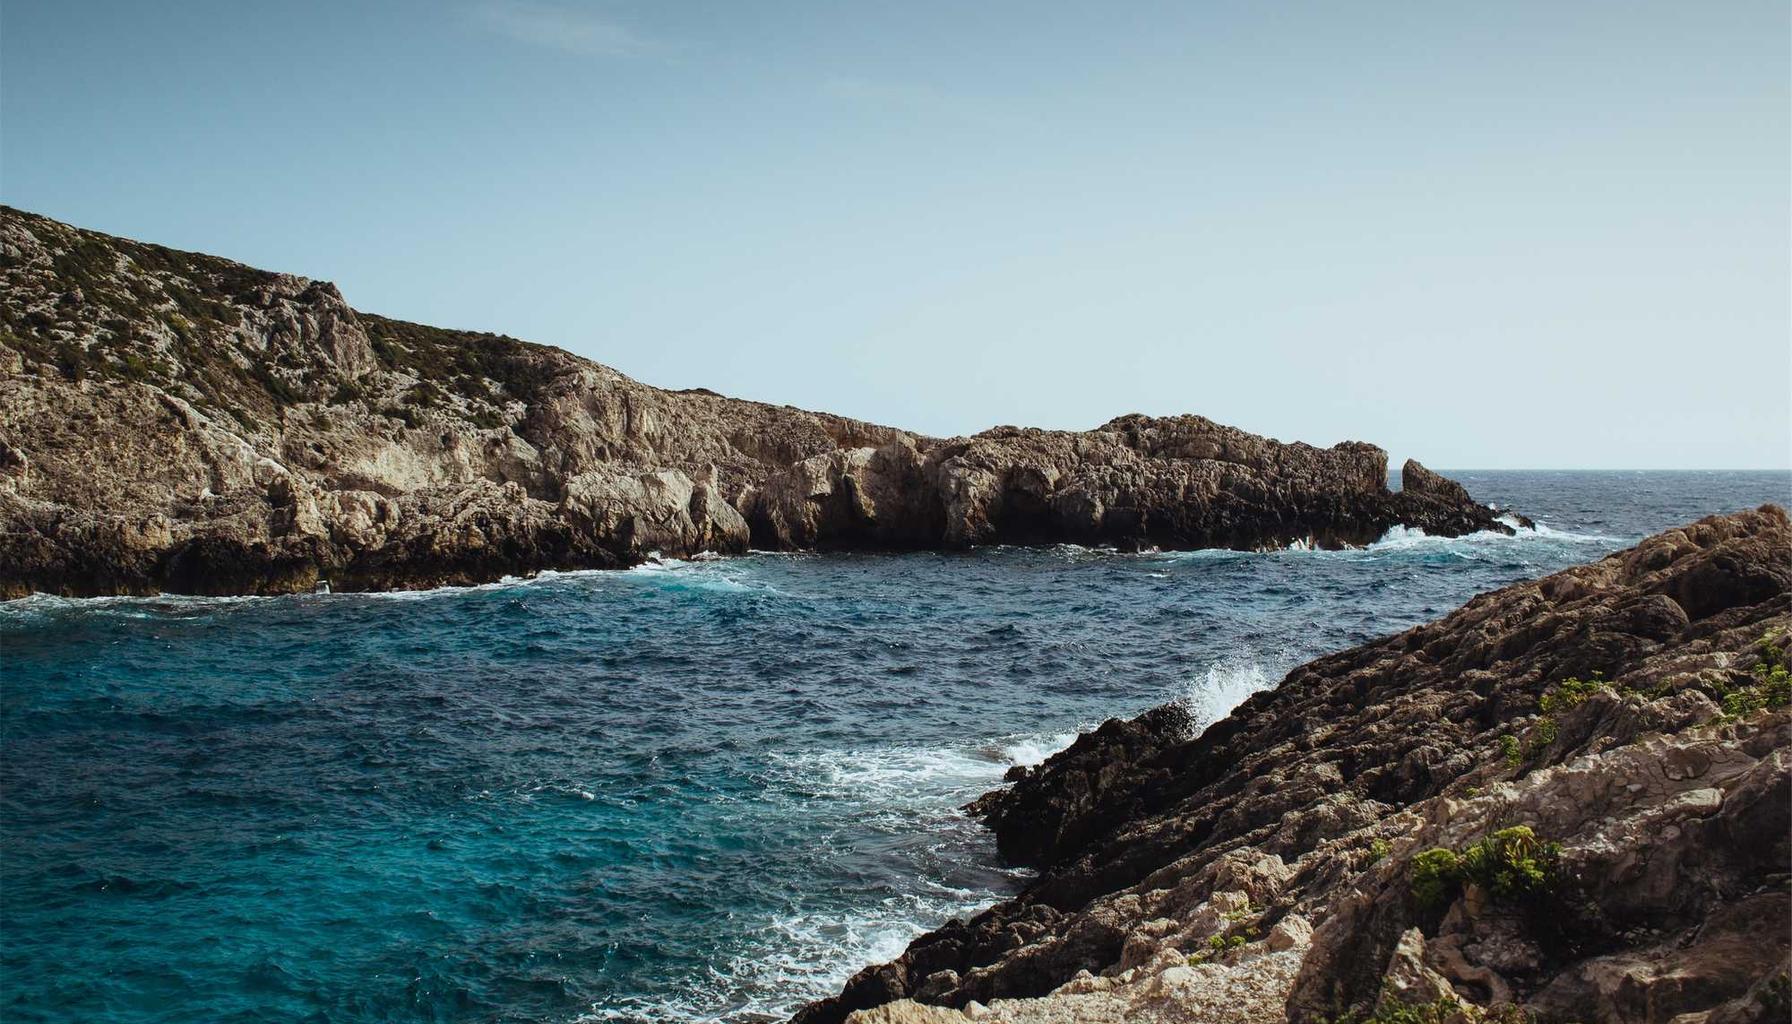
x=687, y=792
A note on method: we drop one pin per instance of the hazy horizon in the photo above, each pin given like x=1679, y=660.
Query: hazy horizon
x=1525, y=238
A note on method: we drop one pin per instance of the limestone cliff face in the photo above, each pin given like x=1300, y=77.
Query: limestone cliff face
x=1570, y=796
x=174, y=421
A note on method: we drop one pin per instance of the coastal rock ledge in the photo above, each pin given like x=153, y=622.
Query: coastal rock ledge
x=1567, y=801
x=171, y=421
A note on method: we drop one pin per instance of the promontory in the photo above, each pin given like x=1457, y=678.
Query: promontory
x=175, y=422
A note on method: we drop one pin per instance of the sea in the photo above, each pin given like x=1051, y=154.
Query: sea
x=705, y=790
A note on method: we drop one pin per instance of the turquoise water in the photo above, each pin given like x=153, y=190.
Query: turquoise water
x=701, y=790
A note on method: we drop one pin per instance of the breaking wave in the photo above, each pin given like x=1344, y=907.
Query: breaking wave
x=1213, y=694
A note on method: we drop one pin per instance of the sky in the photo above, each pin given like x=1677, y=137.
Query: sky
x=1516, y=235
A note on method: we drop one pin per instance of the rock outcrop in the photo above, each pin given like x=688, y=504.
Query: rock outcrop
x=1570, y=800
x=174, y=421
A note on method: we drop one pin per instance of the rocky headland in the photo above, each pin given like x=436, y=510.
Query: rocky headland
x=171, y=421
x=1569, y=800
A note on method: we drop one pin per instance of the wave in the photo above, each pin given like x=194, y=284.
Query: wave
x=794, y=959
x=1212, y=695
x=893, y=796
x=1411, y=538
x=916, y=777
x=706, y=571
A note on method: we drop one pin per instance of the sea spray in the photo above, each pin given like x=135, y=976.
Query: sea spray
x=1212, y=694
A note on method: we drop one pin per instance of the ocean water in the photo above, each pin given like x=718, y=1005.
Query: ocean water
x=694, y=791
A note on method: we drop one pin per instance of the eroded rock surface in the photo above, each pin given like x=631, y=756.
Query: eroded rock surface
x=1621, y=727
x=173, y=421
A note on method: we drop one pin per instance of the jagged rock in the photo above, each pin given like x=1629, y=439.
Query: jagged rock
x=1291, y=931
x=1036, y=824
x=1407, y=980
x=147, y=384
x=1667, y=898
x=1416, y=479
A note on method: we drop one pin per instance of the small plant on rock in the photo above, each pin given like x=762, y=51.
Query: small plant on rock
x=1772, y=675
x=1235, y=916
x=1545, y=735
x=1442, y=1011
x=1770, y=684
x=1217, y=947
x=1571, y=693
x=1511, y=864
x=1435, y=874
x=1566, y=695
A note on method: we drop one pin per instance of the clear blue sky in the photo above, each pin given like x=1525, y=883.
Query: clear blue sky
x=1486, y=235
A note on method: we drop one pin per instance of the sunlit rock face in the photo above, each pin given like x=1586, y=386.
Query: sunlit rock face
x=174, y=421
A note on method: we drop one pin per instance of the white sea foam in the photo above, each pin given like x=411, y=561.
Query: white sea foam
x=705, y=571
x=1211, y=696
x=55, y=602
x=804, y=954
x=797, y=957
x=1414, y=539
x=431, y=593
x=917, y=777
x=1032, y=750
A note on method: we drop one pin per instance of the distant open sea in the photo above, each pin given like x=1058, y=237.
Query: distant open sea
x=703, y=790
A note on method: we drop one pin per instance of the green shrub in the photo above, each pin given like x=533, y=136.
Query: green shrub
x=1543, y=735
x=1511, y=864
x=1770, y=686
x=1235, y=916
x=1218, y=946
x=1776, y=688
x=1771, y=673
x=1744, y=702
x=1564, y=696
x=1435, y=875
x=1378, y=850
x=1571, y=693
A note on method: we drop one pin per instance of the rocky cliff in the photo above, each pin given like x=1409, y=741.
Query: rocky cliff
x=174, y=421
x=1567, y=801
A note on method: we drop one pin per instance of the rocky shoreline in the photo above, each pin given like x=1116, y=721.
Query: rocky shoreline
x=171, y=421
x=1570, y=800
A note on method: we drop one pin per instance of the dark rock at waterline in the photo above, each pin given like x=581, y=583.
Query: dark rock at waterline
x=192, y=424
x=1415, y=479
x=1087, y=790
x=1654, y=793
